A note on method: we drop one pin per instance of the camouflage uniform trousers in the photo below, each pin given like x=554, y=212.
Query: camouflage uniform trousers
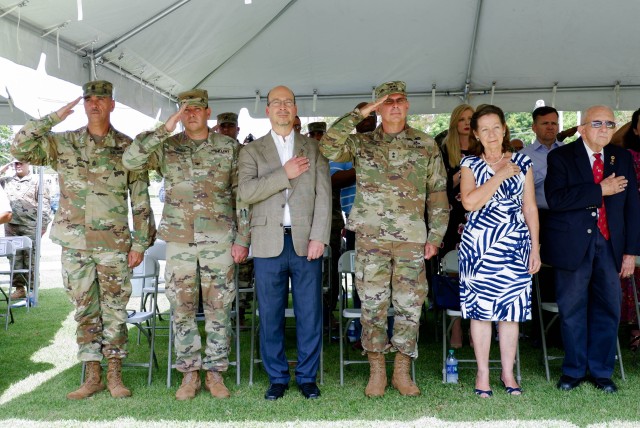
x=98, y=283
x=22, y=257
x=211, y=266
x=390, y=272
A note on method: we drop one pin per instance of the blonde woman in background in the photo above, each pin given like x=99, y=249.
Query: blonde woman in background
x=454, y=148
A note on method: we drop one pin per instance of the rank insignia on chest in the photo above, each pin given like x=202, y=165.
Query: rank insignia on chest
x=393, y=154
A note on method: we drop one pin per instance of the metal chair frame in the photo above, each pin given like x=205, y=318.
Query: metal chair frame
x=449, y=265
x=346, y=267
x=139, y=319
x=552, y=307
x=21, y=244
x=7, y=250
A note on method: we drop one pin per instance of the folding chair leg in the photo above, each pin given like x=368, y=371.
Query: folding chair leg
x=170, y=353
x=620, y=360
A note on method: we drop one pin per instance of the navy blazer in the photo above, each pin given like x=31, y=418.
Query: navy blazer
x=573, y=200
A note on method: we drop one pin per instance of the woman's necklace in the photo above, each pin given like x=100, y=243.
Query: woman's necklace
x=492, y=164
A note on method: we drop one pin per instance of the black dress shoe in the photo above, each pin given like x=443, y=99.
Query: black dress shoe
x=275, y=391
x=309, y=390
x=567, y=383
x=605, y=384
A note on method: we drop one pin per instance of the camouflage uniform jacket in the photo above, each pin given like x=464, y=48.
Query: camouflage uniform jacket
x=94, y=187
x=395, y=177
x=23, y=195
x=200, y=183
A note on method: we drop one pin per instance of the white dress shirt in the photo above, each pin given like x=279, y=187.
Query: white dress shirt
x=285, y=151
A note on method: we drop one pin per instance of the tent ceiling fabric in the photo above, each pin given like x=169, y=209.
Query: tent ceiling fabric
x=341, y=49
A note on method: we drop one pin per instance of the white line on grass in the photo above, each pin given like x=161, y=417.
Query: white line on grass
x=418, y=423
x=57, y=353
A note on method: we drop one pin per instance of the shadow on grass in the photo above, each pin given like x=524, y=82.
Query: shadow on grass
x=541, y=400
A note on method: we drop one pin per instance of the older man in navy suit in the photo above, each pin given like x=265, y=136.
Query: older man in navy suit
x=592, y=237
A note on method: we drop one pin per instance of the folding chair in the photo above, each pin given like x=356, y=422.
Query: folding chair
x=7, y=250
x=346, y=267
x=449, y=265
x=145, y=322
x=552, y=307
x=22, y=245
x=288, y=313
x=156, y=253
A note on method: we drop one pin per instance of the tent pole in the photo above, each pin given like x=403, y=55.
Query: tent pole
x=36, y=273
x=476, y=24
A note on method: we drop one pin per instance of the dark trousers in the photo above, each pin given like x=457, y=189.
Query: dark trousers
x=272, y=285
x=589, y=300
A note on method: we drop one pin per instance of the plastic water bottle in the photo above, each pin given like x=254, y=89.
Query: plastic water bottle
x=452, y=368
x=351, y=332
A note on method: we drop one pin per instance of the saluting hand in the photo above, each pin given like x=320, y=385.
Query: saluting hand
x=366, y=110
x=65, y=111
x=173, y=120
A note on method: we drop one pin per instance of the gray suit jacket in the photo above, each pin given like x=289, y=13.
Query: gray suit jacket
x=261, y=183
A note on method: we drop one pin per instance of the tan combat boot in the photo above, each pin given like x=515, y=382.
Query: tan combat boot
x=401, y=379
x=92, y=383
x=18, y=293
x=190, y=385
x=377, y=375
x=215, y=384
x=114, y=379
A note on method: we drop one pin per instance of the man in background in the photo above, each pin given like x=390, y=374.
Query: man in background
x=22, y=191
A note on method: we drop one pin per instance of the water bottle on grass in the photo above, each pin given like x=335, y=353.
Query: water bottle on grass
x=452, y=368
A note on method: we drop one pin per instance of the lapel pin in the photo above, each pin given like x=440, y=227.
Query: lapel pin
x=613, y=159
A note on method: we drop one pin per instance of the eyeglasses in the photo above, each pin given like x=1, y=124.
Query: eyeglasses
x=18, y=163
x=391, y=101
x=599, y=123
x=280, y=103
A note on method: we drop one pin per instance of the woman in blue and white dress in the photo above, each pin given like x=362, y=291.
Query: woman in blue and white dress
x=500, y=249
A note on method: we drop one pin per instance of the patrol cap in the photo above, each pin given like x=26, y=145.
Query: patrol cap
x=97, y=88
x=388, y=88
x=317, y=127
x=194, y=97
x=228, y=117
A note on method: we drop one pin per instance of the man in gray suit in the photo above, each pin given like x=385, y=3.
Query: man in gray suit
x=286, y=180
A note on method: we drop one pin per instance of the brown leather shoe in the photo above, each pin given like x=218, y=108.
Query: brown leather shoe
x=215, y=384
x=92, y=383
x=190, y=385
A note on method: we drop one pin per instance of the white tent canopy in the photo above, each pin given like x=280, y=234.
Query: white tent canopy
x=571, y=53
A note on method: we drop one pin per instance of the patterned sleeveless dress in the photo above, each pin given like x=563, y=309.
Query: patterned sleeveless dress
x=494, y=252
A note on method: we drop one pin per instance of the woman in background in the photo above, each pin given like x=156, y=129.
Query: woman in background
x=454, y=148
x=631, y=142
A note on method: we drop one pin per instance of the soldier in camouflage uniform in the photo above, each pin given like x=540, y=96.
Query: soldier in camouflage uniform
x=22, y=191
x=198, y=222
x=398, y=169
x=91, y=225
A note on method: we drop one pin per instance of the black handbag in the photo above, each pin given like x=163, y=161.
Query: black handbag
x=446, y=291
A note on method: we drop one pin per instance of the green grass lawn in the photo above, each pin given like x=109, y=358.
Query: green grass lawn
x=541, y=401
